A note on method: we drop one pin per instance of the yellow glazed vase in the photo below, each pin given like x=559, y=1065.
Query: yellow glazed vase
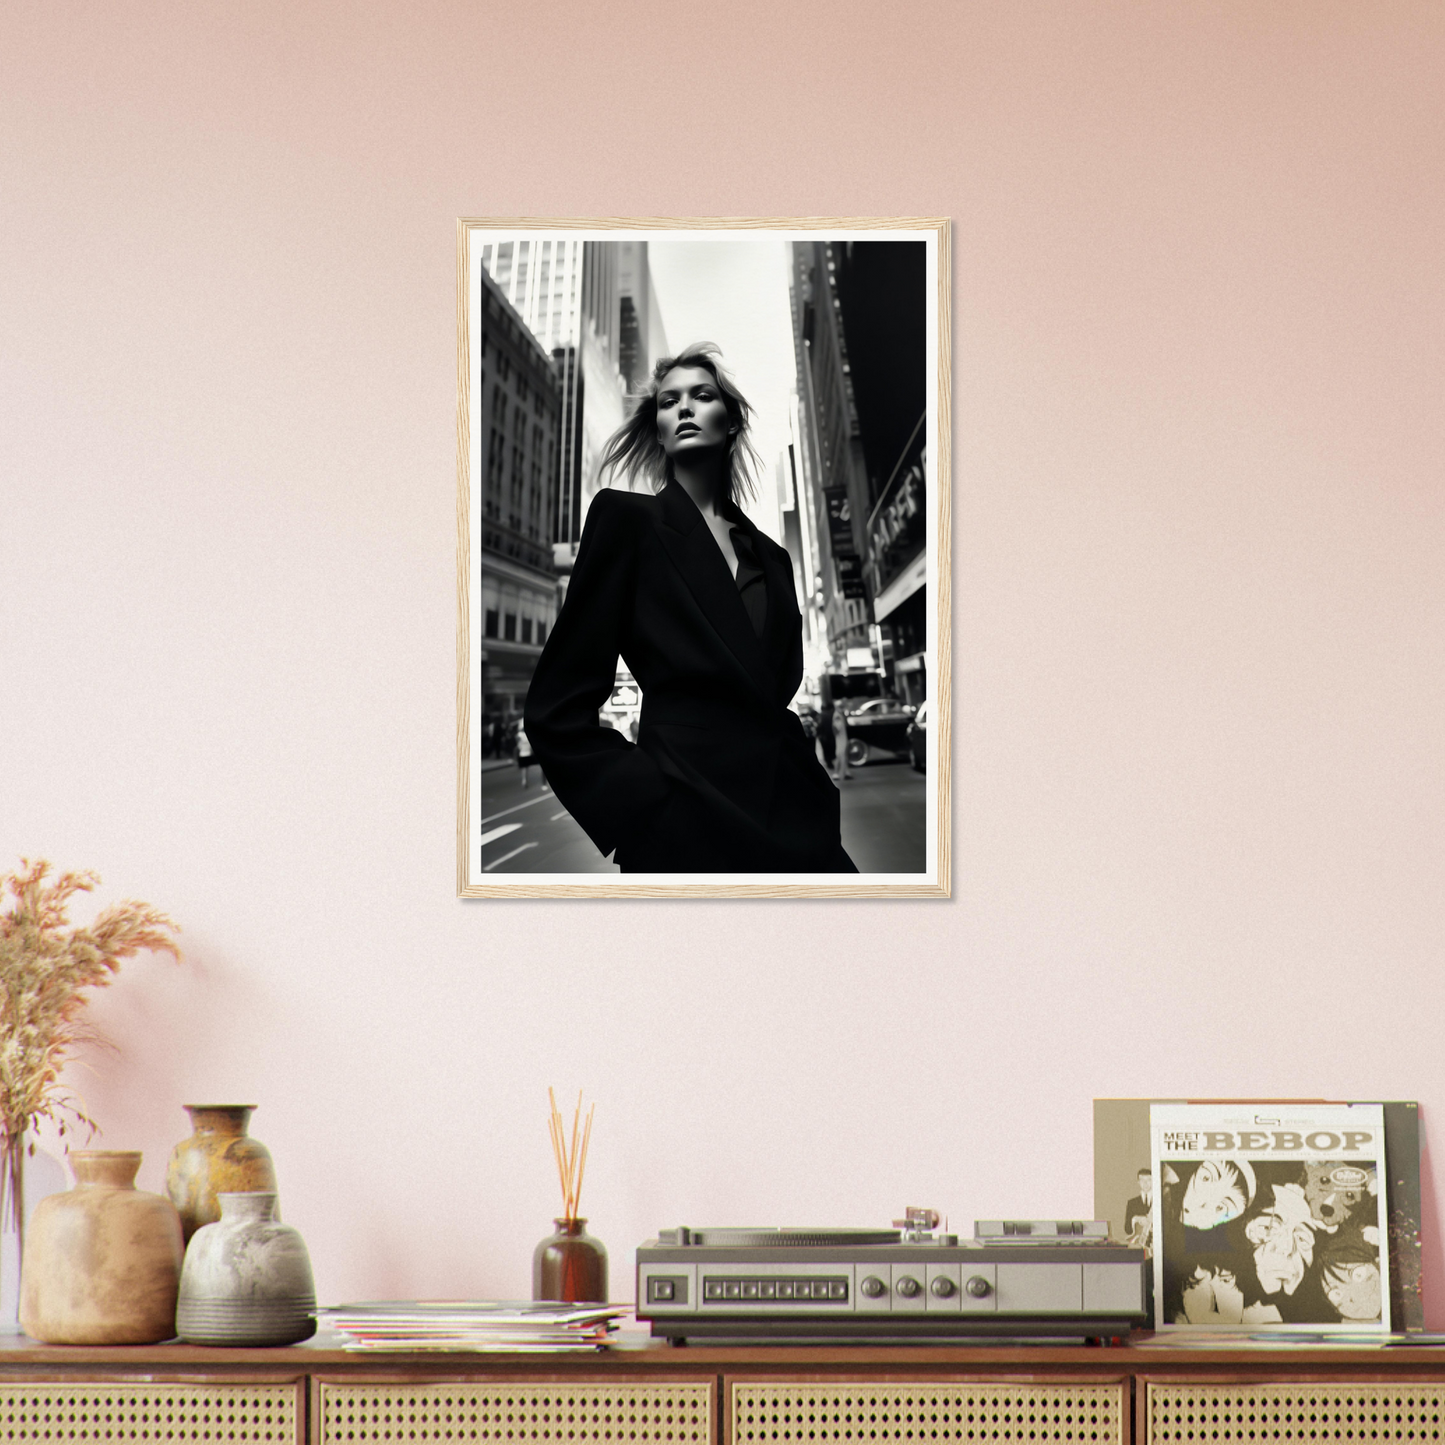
x=219, y=1158
x=102, y=1262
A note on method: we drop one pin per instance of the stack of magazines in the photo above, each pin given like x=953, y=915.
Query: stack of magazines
x=471, y=1325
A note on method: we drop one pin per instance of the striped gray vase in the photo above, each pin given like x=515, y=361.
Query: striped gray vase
x=246, y=1279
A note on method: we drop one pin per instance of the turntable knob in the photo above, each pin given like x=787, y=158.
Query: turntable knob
x=942, y=1286
x=908, y=1287
x=872, y=1286
x=978, y=1286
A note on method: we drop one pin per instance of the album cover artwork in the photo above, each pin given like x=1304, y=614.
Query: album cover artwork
x=1124, y=1188
x=1270, y=1218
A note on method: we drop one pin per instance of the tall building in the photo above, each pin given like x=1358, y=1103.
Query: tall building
x=642, y=338
x=829, y=450
x=592, y=306
x=859, y=323
x=881, y=288
x=796, y=528
x=519, y=415
x=543, y=280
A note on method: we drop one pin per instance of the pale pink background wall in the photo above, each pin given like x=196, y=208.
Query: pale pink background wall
x=1198, y=580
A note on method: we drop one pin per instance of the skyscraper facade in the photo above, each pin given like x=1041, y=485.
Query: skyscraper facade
x=642, y=338
x=859, y=324
x=829, y=451
x=592, y=307
x=519, y=413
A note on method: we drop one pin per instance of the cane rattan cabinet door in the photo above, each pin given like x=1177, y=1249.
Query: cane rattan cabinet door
x=1179, y=1413
x=619, y=1412
x=87, y=1412
x=777, y=1413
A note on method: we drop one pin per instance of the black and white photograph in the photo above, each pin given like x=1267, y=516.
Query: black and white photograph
x=702, y=558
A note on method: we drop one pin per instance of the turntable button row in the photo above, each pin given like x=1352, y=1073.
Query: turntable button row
x=831, y=1289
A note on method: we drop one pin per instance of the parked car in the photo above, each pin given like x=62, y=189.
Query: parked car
x=918, y=739
x=879, y=722
x=854, y=687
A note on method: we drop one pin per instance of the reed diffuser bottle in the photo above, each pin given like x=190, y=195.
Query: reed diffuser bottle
x=570, y=1266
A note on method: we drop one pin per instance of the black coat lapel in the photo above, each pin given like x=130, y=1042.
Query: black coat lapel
x=700, y=560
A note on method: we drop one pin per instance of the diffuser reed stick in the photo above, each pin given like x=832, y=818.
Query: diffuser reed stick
x=570, y=1154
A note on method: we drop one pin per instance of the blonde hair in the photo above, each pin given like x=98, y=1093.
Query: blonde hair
x=633, y=450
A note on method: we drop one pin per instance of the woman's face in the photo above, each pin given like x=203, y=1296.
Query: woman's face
x=691, y=413
x=1214, y=1195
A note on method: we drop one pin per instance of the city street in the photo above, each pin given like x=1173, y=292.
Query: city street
x=526, y=830
x=883, y=816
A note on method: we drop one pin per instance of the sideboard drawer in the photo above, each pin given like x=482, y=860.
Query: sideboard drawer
x=188, y=1414
x=998, y=1412
x=616, y=1413
x=1178, y=1413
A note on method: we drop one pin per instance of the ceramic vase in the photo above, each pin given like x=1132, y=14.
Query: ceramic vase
x=102, y=1262
x=219, y=1157
x=570, y=1265
x=247, y=1278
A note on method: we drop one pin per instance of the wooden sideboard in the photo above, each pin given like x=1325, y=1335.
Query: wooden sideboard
x=646, y=1393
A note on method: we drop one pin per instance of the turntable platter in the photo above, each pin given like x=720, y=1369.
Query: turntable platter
x=764, y=1238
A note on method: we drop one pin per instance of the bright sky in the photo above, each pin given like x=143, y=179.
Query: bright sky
x=735, y=292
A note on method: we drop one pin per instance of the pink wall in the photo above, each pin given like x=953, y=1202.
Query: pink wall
x=1198, y=543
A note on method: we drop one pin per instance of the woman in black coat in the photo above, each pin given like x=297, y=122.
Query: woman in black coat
x=700, y=605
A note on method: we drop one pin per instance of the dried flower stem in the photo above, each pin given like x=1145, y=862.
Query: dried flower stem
x=46, y=972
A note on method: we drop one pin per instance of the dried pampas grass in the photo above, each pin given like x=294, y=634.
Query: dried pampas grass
x=46, y=972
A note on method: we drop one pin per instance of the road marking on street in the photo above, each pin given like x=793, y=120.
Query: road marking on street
x=563, y=814
x=530, y=804
x=497, y=833
x=505, y=856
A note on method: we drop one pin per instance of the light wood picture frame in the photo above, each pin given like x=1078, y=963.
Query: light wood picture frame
x=838, y=332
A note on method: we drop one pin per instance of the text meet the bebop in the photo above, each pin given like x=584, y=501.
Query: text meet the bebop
x=1260, y=1141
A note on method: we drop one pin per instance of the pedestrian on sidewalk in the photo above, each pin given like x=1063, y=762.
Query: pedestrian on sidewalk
x=840, y=743
x=825, y=726
x=524, y=755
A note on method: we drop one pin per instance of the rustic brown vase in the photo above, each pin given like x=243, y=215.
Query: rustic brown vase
x=570, y=1265
x=102, y=1262
x=219, y=1158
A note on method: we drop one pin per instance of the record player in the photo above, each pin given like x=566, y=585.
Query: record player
x=1060, y=1279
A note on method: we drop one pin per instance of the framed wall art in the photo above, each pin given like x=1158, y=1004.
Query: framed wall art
x=703, y=558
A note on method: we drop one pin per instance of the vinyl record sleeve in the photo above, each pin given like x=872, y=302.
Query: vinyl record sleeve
x=1123, y=1185
x=1270, y=1219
